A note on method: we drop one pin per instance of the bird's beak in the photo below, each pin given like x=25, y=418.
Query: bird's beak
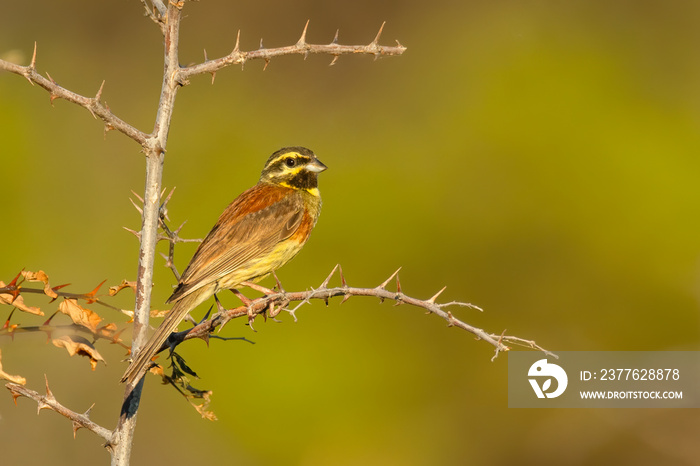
x=316, y=166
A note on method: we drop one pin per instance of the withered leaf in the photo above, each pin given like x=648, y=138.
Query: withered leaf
x=113, y=290
x=12, y=378
x=180, y=362
x=40, y=276
x=18, y=302
x=204, y=412
x=78, y=345
x=79, y=314
x=154, y=313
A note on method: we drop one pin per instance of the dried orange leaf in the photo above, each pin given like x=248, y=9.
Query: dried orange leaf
x=203, y=408
x=79, y=314
x=40, y=276
x=155, y=313
x=78, y=345
x=109, y=332
x=113, y=290
x=18, y=302
x=12, y=378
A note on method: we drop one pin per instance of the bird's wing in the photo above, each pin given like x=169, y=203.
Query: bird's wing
x=248, y=229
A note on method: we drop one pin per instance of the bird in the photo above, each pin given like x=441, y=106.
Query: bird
x=259, y=232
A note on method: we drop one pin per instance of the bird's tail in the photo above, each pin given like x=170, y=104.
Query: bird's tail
x=141, y=363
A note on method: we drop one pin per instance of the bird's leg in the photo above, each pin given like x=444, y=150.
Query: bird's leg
x=256, y=287
x=279, y=284
x=248, y=304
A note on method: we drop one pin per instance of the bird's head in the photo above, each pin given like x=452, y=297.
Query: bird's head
x=293, y=167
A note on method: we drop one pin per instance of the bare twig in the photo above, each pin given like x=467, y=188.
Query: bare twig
x=49, y=401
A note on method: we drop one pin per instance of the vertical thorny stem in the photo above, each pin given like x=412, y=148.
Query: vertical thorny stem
x=154, y=149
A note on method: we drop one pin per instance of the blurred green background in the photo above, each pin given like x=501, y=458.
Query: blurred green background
x=540, y=158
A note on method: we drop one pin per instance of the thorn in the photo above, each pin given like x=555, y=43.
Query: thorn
x=219, y=307
x=432, y=300
x=261, y=43
x=328, y=278
x=41, y=405
x=335, y=59
x=76, y=426
x=345, y=298
x=379, y=34
x=14, y=280
x=136, y=205
x=398, y=285
x=236, y=48
x=7, y=322
x=49, y=394
x=267, y=62
x=32, y=64
x=98, y=96
x=163, y=209
x=134, y=232
x=302, y=40
x=335, y=38
x=206, y=59
x=386, y=282
x=343, y=283
x=48, y=321
x=178, y=229
x=52, y=95
x=108, y=128
x=90, y=297
x=15, y=293
x=15, y=393
x=137, y=196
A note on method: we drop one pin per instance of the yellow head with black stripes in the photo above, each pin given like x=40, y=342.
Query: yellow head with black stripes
x=293, y=167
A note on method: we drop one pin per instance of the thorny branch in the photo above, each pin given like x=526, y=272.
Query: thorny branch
x=181, y=75
x=273, y=302
x=94, y=105
x=238, y=57
x=48, y=401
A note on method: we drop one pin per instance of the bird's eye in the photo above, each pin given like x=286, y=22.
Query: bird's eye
x=290, y=162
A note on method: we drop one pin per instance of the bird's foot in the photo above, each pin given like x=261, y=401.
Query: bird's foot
x=256, y=287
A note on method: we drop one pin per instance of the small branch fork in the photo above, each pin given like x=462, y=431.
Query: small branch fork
x=171, y=236
x=273, y=302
